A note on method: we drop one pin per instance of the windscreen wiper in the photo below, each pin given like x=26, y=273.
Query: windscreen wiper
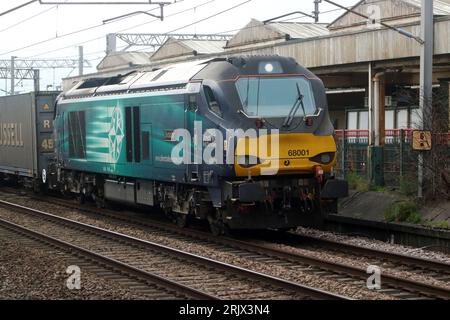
x=299, y=102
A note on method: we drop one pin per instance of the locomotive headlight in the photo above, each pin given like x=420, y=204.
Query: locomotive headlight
x=324, y=158
x=269, y=68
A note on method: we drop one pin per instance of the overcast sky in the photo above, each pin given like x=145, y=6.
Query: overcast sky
x=24, y=32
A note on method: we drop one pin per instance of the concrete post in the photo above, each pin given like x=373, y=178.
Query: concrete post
x=376, y=150
x=379, y=109
x=370, y=106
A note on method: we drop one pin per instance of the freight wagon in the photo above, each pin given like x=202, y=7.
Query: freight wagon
x=26, y=137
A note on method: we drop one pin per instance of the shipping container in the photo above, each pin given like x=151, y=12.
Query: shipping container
x=26, y=134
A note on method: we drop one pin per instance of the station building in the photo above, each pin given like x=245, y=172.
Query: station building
x=365, y=67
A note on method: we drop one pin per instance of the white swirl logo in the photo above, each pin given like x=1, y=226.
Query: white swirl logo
x=116, y=135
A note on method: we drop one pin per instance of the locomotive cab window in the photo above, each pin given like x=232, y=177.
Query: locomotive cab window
x=274, y=97
x=213, y=104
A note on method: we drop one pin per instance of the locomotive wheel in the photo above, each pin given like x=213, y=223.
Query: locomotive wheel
x=181, y=220
x=100, y=203
x=80, y=198
x=218, y=227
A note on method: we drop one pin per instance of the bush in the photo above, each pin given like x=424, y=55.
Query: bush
x=404, y=211
x=438, y=224
x=409, y=186
x=358, y=183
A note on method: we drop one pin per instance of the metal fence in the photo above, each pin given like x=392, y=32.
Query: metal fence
x=399, y=158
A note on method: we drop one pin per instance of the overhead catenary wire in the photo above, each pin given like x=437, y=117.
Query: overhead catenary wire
x=126, y=29
x=71, y=33
x=248, y=27
x=17, y=8
x=129, y=28
x=27, y=19
x=188, y=10
x=179, y=28
x=222, y=32
x=172, y=31
x=401, y=31
x=211, y=16
x=206, y=18
x=102, y=37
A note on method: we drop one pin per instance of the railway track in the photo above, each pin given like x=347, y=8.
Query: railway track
x=397, y=287
x=184, y=273
x=145, y=285
x=389, y=260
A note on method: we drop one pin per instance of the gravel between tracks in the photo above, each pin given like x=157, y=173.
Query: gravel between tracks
x=358, y=291
x=376, y=244
x=361, y=262
x=35, y=274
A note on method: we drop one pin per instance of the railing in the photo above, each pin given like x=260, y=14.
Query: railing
x=399, y=158
x=391, y=135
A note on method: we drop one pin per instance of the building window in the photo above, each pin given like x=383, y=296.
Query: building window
x=352, y=120
x=363, y=120
x=394, y=119
x=402, y=119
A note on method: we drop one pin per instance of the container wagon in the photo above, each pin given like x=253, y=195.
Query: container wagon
x=26, y=137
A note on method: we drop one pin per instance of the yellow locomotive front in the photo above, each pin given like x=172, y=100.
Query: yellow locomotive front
x=292, y=107
x=296, y=154
x=284, y=147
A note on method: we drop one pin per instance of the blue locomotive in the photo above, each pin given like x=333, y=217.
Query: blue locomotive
x=244, y=142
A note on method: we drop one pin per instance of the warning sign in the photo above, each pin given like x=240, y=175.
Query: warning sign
x=422, y=141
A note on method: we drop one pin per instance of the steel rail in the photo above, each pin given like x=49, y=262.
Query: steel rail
x=225, y=267
x=149, y=278
x=415, y=287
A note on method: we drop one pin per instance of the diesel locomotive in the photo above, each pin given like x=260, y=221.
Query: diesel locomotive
x=244, y=143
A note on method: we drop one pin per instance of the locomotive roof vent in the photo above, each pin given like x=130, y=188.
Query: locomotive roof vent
x=239, y=62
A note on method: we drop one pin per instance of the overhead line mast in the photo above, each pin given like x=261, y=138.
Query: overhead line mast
x=156, y=40
x=28, y=69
